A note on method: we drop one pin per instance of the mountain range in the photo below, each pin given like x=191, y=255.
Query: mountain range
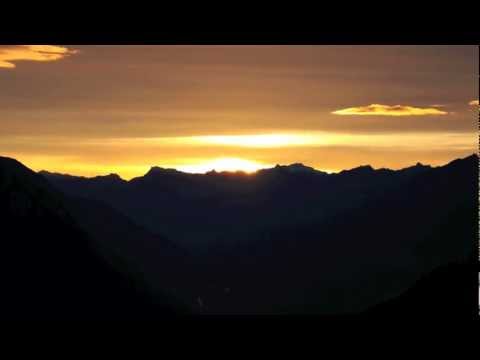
x=285, y=240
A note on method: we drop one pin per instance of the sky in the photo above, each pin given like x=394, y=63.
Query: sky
x=95, y=110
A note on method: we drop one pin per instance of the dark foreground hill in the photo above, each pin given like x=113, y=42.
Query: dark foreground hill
x=294, y=240
x=448, y=292
x=50, y=267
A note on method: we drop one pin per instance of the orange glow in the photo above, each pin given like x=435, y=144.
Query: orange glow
x=260, y=141
x=200, y=154
x=10, y=54
x=300, y=139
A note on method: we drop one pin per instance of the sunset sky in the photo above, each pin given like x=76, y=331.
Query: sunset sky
x=94, y=110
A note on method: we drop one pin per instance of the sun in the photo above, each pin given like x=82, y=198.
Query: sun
x=224, y=164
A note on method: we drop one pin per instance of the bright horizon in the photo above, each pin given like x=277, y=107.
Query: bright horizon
x=202, y=169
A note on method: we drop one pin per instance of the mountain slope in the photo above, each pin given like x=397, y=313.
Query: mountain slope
x=49, y=269
x=163, y=266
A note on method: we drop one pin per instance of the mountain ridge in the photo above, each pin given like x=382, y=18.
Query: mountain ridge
x=361, y=236
x=158, y=170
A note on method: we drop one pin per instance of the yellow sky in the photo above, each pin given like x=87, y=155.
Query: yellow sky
x=92, y=110
x=131, y=157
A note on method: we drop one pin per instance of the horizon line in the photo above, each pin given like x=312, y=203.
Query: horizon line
x=253, y=173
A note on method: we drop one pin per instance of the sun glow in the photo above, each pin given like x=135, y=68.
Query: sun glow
x=223, y=164
x=297, y=140
x=203, y=153
x=261, y=140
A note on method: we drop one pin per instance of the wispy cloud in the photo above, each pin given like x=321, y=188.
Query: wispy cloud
x=389, y=110
x=473, y=103
x=11, y=54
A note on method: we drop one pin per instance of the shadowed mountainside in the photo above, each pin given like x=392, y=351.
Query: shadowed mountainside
x=450, y=291
x=164, y=200
x=165, y=267
x=50, y=268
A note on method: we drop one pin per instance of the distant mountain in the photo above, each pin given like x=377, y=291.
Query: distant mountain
x=377, y=247
x=291, y=239
x=163, y=200
x=50, y=267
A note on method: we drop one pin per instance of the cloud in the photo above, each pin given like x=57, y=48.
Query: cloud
x=389, y=110
x=11, y=54
x=473, y=103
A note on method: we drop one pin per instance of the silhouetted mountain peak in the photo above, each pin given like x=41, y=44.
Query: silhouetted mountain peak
x=471, y=159
x=211, y=172
x=12, y=171
x=24, y=190
x=464, y=165
x=9, y=166
x=292, y=168
x=6, y=161
x=102, y=178
x=156, y=170
x=299, y=167
x=109, y=177
x=417, y=167
x=360, y=170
